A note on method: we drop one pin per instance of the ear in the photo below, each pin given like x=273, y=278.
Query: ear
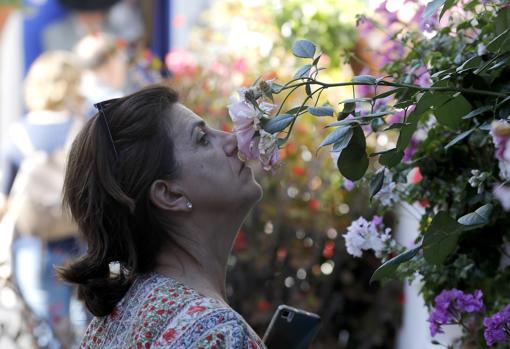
x=168, y=197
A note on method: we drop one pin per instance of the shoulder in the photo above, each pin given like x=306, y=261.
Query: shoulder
x=207, y=323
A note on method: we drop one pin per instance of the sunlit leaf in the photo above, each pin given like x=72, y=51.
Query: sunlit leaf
x=303, y=71
x=321, y=111
x=339, y=135
x=376, y=183
x=476, y=219
x=278, y=123
x=303, y=49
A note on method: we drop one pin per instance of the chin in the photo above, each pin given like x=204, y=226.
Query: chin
x=252, y=193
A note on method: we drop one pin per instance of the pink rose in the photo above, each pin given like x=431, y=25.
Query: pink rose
x=414, y=176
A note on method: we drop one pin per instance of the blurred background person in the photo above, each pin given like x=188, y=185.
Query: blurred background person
x=33, y=163
x=105, y=68
x=120, y=19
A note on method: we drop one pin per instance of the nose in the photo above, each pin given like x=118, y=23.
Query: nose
x=230, y=144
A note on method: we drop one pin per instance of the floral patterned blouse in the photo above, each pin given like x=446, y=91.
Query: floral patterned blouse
x=160, y=312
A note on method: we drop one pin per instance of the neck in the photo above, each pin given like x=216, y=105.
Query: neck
x=202, y=262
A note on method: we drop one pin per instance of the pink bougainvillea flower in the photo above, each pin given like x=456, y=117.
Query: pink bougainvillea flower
x=500, y=131
x=181, y=62
x=502, y=194
x=422, y=77
x=414, y=176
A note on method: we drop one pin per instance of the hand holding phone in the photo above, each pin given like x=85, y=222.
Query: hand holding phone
x=291, y=328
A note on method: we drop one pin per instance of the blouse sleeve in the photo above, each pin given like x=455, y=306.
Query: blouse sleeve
x=229, y=335
x=221, y=329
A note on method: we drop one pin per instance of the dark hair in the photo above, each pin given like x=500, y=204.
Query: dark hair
x=109, y=198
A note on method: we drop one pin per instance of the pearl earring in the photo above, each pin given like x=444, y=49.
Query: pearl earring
x=189, y=204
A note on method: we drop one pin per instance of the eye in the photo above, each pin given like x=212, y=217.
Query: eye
x=203, y=138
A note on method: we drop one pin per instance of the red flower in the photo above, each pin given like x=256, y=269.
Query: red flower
x=298, y=170
x=314, y=204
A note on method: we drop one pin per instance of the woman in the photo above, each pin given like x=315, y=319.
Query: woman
x=159, y=197
x=33, y=169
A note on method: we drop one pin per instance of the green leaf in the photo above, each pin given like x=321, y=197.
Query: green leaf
x=344, y=123
x=448, y=4
x=391, y=158
x=441, y=238
x=470, y=64
x=356, y=100
x=316, y=60
x=303, y=49
x=376, y=183
x=321, y=111
x=365, y=79
x=342, y=143
x=303, y=71
x=476, y=219
x=387, y=270
x=308, y=90
x=432, y=8
x=297, y=110
x=477, y=112
x=353, y=160
x=396, y=125
x=278, y=123
x=389, y=93
x=339, y=135
x=459, y=138
x=499, y=41
x=378, y=114
x=502, y=21
x=450, y=114
x=349, y=108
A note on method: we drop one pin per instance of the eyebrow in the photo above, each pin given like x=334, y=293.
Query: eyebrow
x=195, y=125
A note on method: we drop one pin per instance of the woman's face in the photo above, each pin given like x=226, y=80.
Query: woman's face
x=212, y=175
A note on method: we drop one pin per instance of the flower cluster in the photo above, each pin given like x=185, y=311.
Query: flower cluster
x=497, y=327
x=449, y=307
x=365, y=235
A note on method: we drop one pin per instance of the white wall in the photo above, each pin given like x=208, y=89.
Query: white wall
x=415, y=328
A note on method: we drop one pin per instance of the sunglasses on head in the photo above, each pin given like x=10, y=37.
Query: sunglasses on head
x=101, y=106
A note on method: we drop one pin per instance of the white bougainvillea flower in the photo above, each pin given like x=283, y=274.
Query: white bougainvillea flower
x=365, y=235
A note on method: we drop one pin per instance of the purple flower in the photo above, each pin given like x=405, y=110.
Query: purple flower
x=348, y=185
x=422, y=77
x=410, y=150
x=497, y=327
x=449, y=306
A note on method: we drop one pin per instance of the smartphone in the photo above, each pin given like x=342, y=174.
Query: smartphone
x=291, y=328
